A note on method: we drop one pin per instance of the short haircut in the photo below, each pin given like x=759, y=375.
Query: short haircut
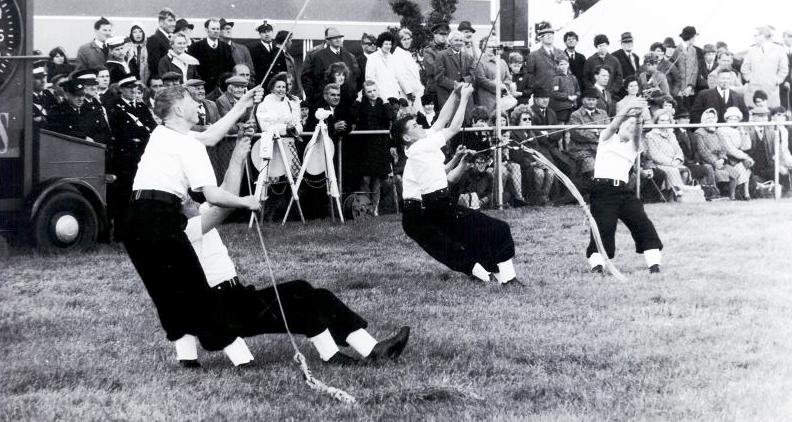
x=329, y=87
x=155, y=78
x=657, y=45
x=210, y=21
x=766, y=31
x=386, y=36
x=335, y=68
x=516, y=57
x=167, y=98
x=399, y=127
x=599, y=69
x=479, y=114
x=179, y=35
x=369, y=82
x=101, y=22
x=721, y=44
x=165, y=14
x=571, y=34
x=759, y=94
x=238, y=67
x=280, y=77
x=722, y=71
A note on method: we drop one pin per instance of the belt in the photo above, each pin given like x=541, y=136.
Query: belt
x=412, y=205
x=156, y=195
x=232, y=283
x=612, y=182
x=438, y=195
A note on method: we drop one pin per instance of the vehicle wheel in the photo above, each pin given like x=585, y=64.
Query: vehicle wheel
x=66, y=221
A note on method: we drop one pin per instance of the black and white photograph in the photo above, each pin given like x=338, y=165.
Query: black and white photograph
x=396, y=210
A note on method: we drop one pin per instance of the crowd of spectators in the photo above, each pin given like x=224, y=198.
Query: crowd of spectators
x=105, y=94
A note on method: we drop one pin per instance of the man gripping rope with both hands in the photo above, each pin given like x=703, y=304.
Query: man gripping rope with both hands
x=315, y=313
x=464, y=240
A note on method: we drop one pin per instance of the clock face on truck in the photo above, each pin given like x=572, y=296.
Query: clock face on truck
x=10, y=38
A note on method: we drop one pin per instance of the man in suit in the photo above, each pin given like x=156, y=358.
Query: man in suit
x=786, y=86
x=94, y=53
x=214, y=56
x=762, y=149
x=263, y=52
x=576, y=60
x=628, y=60
x=207, y=109
x=541, y=63
x=602, y=58
x=236, y=86
x=158, y=44
x=689, y=59
x=720, y=98
x=313, y=76
x=453, y=65
x=606, y=100
x=239, y=52
x=707, y=66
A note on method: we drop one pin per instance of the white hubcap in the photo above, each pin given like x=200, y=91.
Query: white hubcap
x=67, y=228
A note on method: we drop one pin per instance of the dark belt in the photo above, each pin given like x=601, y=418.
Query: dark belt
x=229, y=284
x=412, y=205
x=436, y=196
x=156, y=195
x=612, y=182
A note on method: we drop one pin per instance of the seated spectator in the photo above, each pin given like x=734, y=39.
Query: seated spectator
x=207, y=110
x=565, y=90
x=380, y=68
x=236, y=88
x=338, y=74
x=221, y=87
x=474, y=141
x=58, y=63
x=170, y=79
x=762, y=149
x=633, y=92
x=664, y=150
x=650, y=80
x=370, y=160
x=583, y=142
x=521, y=83
x=539, y=178
x=177, y=59
x=760, y=99
x=511, y=172
x=701, y=172
x=736, y=141
x=711, y=150
x=779, y=114
x=476, y=187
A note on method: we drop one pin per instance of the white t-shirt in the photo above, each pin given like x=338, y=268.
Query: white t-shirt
x=614, y=159
x=424, y=171
x=211, y=251
x=173, y=163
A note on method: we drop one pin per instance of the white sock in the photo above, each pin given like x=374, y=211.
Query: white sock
x=652, y=257
x=480, y=273
x=596, y=259
x=361, y=341
x=186, y=348
x=506, y=272
x=325, y=345
x=238, y=352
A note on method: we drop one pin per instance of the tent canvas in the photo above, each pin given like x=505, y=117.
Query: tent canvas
x=732, y=21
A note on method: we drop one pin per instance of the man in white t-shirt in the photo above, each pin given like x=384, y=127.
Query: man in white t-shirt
x=611, y=199
x=316, y=313
x=464, y=240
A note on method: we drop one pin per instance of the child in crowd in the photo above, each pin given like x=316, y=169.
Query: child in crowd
x=565, y=91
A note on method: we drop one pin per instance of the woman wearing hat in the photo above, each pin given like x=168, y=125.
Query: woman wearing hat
x=711, y=149
x=177, y=60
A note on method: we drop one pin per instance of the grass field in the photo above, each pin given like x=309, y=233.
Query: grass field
x=708, y=339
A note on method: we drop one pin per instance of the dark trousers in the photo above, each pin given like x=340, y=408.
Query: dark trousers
x=163, y=256
x=309, y=311
x=459, y=237
x=609, y=204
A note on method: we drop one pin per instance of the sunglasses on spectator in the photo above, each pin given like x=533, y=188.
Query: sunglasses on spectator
x=525, y=119
x=244, y=74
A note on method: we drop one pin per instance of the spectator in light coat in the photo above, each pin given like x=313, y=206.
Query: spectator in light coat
x=765, y=67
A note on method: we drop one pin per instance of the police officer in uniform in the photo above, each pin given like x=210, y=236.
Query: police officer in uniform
x=69, y=117
x=43, y=99
x=95, y=114
x=611, y=200
x=131, y=123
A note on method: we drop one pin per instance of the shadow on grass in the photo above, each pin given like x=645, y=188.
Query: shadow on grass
x=425, y=394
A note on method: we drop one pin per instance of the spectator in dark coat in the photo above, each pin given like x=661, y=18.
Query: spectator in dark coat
x=369, y=44
x=157, y=45
x=668, y=68
x=714, y=98
x=576, y=60
x=285, y=64
x=603, y=58
x=213, y=55
x=94, y=53
x=58, y=64
x=629, y=61
x=338, y=73
x=521, y=82
x=263, y=52
x=453, y=65
x=177, y=60
x=239, y=52
x=313, y=75
x=541, y=63
x=565, y=91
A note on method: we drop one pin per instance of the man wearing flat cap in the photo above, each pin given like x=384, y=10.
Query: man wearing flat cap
x=628, y=60
x=541, y=63
x=583, y=142
x=439, y=43
x=207, y=109
x=239, y=52
x=116, y=51
x=170, y=79
x=214, y=56
x=236, y=88
x=313, y=75
x=603, y=58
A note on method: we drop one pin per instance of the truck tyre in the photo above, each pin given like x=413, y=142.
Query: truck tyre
x=65, y=222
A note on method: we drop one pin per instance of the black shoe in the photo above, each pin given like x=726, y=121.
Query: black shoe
x=246, y=365
x=390, y=348
x=341, y=359
x=654, y=269
x=598, y=269
x=190, y=363
x=512, y=284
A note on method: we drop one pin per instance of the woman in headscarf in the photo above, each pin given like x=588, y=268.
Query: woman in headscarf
x=138, y=62
x=711, y=149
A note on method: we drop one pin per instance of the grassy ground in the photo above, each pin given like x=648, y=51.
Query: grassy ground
x=708, y=339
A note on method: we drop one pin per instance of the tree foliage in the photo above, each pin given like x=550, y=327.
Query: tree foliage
x=412, y=18
x=580, y=6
